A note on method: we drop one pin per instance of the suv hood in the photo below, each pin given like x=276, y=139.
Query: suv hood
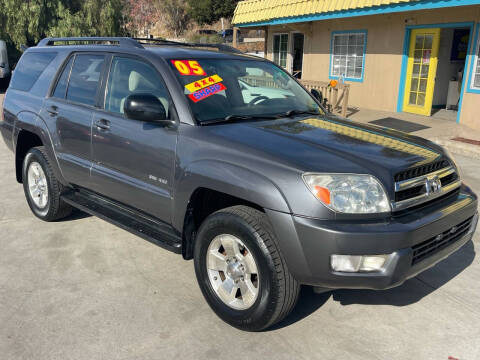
x=329, y=144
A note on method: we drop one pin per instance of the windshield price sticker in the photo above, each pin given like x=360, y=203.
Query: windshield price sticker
x=208, y=91
x=188, y=67
x=203, y=83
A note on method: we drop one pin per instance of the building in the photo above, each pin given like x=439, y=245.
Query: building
x=397, y=55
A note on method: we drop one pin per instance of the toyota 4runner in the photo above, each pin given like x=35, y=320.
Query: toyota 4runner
x=227, y=159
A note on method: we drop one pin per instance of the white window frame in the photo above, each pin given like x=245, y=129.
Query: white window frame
x=332, y=53
x=287, y=60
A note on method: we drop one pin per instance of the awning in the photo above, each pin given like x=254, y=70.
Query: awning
x=271, y=12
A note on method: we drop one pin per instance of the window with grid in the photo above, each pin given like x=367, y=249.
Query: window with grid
x=347, y=55
x=476, y=67
x=280, y=49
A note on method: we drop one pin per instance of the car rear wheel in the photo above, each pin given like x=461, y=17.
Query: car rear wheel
x=241, y=271
x=41, y=188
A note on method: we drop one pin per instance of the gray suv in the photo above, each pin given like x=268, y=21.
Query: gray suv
x=227, y=160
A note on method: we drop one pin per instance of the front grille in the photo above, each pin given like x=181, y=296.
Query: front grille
x=433, y=245
x=421, y=170
x=410, y=193
x=449, y=179
x=420, y=185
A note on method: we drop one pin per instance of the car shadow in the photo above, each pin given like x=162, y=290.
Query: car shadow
x=308, y=303
x=75, y=215
x=410, y=292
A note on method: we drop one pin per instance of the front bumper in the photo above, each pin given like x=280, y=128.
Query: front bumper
x=308, y=243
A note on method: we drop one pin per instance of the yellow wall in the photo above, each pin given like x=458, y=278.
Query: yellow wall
x=379, y=89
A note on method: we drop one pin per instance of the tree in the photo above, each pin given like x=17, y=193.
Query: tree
x=95, y=18
x=142, y=14
x=210, y=11
x=28, y=21
x=174, y=13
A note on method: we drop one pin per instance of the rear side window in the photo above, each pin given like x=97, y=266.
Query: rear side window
x=30, y=68
x=84, y=78
x=61, y=88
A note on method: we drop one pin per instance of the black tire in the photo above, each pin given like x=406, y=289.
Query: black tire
x=278, y=290
x=55, y=207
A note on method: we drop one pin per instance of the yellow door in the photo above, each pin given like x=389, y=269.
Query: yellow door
x=421, y=71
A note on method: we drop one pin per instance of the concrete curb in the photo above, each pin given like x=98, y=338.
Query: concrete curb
x=457, y=147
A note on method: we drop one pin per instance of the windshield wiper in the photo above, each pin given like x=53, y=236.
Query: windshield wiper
x=234, y=117
x=292, y=113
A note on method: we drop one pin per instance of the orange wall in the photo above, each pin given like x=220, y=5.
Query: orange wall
x=379, y=89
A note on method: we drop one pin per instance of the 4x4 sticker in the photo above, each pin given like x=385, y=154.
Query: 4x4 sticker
x=188, y=67
x=208, y=91
x=203, y=83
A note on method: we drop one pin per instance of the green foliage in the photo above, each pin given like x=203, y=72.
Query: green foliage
x=210, y=11
x=28, y=21
x=95, y=18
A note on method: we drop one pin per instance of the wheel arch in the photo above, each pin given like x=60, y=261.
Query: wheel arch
x=208, y=186
x=31, y=131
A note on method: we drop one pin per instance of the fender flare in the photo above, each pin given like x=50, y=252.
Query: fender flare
x=31, y=122
x=227, y=178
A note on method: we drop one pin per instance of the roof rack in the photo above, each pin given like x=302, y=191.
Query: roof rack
x=220, y=47
x=115, y=41
x=129, y=42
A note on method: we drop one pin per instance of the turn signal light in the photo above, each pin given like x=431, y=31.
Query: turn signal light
x=323, y=194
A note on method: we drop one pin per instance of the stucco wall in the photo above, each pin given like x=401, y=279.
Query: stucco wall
x=385, y=41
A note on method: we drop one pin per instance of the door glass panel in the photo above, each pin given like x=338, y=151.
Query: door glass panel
x=424, y=72
x=419, y=41
x=84, y=79
x=414, y=84
x=421, y=99
x=418, y=56
x=416, y=70
x=426, y=57
x=428, y=42
x=413, y=98
x=61, y=87
x=129, y=76
x=423, y=85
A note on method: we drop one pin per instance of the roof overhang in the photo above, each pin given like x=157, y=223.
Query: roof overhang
x=255, y=13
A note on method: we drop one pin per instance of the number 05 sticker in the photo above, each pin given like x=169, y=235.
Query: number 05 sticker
x=188, y=67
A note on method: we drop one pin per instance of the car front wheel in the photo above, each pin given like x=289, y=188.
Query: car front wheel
x=241, y=271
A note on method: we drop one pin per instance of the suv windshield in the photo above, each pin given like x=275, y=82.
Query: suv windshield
x=240, y=89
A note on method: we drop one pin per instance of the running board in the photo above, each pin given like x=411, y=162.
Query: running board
x=152, y=230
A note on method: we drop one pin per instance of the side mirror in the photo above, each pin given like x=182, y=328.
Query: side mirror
x=317, y=95
x=144, y=107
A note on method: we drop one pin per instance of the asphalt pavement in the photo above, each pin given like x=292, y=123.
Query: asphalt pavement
x=84, y=289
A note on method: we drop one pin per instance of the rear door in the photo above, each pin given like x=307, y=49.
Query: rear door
x=133, y=161
x=71, y=105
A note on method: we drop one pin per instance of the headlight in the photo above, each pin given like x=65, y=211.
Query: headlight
x=348, y=193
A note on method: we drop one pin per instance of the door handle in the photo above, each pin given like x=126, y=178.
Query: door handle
x=102, y=124
x=52, y=110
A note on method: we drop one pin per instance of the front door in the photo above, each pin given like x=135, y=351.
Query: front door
x=133, y=161
x=421, y=71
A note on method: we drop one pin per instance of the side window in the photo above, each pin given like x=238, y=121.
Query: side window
x=280, y=49
x=347, y=57
x=61, y=88
x=129, y=76
x=29, y=69
x=84, y=78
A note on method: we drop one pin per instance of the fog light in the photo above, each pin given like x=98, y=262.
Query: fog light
x=358, y=263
